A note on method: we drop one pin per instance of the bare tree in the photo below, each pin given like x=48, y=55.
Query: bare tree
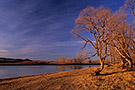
x=85, y=53
x=69, y=60
x=130, y=5
x=112, y=54
x=90, y=26
x=101, y=29
x=120, y=32
x=78, y=59
x=62, y=59
x=57, y=60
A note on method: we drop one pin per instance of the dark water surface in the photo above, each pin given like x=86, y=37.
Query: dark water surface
x=11, y=71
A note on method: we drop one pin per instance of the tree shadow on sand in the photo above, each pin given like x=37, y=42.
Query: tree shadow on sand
x=115, y=72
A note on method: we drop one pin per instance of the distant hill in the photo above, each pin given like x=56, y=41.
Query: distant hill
x=2, y=60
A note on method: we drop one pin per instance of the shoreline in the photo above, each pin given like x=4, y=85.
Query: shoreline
x=43, y=64
x=46, y=63
x=24, y=76
x=110, y=78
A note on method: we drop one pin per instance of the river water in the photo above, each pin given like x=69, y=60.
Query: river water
x=12, y=71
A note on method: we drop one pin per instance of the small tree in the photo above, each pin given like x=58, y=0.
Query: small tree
x=69, y=60
x=78, y=59
x=57, y=60
x=62, y=59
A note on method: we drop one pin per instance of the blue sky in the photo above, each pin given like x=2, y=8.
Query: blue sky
x=40, y=29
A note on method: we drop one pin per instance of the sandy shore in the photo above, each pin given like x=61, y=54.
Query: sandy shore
x=111, y=79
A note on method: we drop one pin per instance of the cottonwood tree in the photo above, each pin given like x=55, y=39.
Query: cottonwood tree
x=120, y=36
x=123, y=34
x=114, y=57
x=130, y=5
x=101, y=28
x=90, y=26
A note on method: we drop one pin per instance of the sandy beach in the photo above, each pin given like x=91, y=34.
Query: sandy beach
x=111, y=78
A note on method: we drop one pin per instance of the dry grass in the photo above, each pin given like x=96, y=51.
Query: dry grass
x=112, y=78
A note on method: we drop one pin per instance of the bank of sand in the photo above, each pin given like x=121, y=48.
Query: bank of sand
x=112, y=78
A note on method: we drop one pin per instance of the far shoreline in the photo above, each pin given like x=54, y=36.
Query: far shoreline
x=46, y=63
x=43, y=64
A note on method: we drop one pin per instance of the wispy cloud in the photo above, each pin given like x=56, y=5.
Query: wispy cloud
x=3, y=51
x=40, y=28
x=66, y=43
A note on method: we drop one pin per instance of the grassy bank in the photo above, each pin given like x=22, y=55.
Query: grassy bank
x=111, y=78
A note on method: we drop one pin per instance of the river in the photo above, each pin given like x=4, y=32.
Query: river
x=12, y=71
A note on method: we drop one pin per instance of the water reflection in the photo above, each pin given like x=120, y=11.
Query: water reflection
x=68, y=68
x=62, y=68
x=77, y=67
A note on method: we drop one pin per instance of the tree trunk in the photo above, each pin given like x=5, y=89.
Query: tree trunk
x=113, y=59
x=102, y=65
x=97, y=72
x=122, y=62
x=130, y=63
